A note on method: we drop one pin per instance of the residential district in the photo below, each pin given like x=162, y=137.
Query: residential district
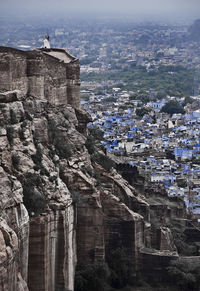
x=165, y=148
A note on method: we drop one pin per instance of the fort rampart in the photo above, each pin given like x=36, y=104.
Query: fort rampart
x=50, y=74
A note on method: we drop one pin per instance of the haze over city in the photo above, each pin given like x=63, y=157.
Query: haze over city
x=166, y=9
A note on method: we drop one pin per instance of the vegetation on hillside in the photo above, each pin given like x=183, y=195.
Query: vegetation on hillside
x=168, y=80
x=185, y=274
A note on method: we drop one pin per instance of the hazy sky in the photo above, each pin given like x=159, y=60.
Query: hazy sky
x=134, y=7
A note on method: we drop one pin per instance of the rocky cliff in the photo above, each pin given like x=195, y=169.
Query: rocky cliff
x=53, y=209
x=61, y=205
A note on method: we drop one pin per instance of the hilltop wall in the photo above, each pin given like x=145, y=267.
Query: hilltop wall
x=41, y=75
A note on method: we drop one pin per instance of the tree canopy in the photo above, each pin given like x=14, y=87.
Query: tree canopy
x=188, y=100
x=141, y=111
x=172, y=107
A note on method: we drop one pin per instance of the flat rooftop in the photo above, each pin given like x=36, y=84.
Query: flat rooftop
x=60, y=54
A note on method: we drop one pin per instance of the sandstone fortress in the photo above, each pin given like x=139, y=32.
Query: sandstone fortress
x=50, y=74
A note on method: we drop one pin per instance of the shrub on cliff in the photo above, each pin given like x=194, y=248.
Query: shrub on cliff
x=10, y=134
x=93, y=146
x=33, y=199
x=180, y=239
x=103, y=160
x=13, y=117
x=77, y=198
x=119, y=265
x=37, y=158
x=15, y=160
x=94, y=138
x=185, y=274
x=91, y=277
x=63, y=150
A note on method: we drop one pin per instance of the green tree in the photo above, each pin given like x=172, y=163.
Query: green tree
x=172, y=107
x=187, y=100
x=91, y=277
x=185, y=274
x=161, y=94
x=119, y=265
x=141, y=111
x=110, y=99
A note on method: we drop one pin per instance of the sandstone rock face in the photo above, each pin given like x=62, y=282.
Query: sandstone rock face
x=156, y=263
x=166, y=240
x=13, y=258
x=52, y=247
x=123, y=228
x=14, y=229
x=104, y=222
x=41, y=252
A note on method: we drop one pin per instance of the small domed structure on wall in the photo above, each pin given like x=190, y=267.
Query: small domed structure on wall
x=46, y=43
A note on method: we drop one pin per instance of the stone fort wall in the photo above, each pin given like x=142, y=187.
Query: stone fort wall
x=52, y=74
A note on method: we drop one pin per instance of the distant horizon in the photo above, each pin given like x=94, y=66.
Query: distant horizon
x=143, y=10
x=10, y=16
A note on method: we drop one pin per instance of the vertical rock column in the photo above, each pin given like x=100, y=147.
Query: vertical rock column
x=52, y=258
x=69, y=248
x=14, y=235
x=10, y=276
x=90, y=232
x=123, y=229
x=18, y=218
